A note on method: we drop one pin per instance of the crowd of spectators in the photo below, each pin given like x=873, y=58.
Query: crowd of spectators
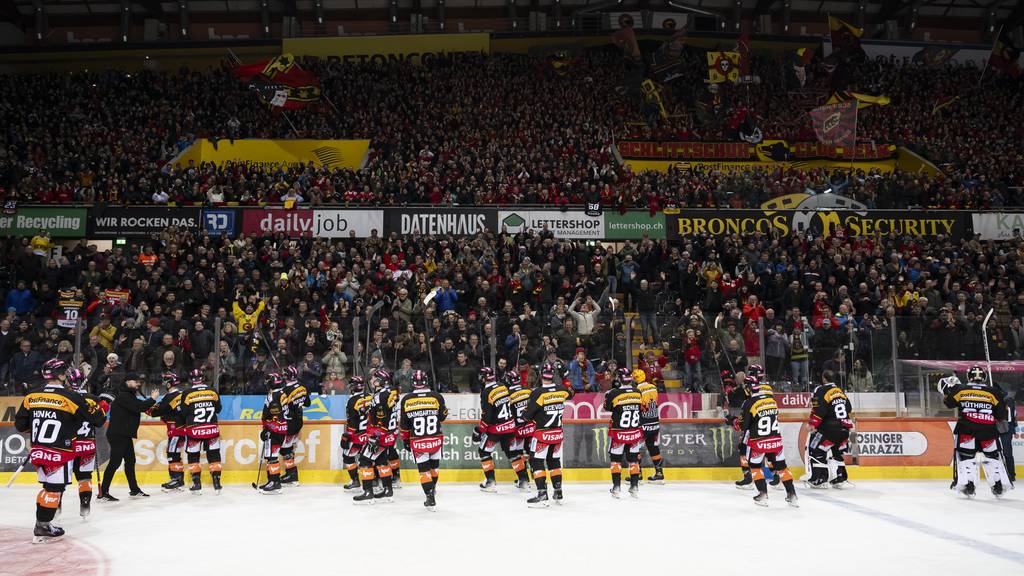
x=695, y=308
x=498, y=129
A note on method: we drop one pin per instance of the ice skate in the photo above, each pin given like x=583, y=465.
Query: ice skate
x=46, y=532
x=557, y=496
x=173, y=485
x=353, y=485
x=429, y=502
x=538, y=501
x=997, y=489
x=746, y=483
x=271, y=488
x=489, y=486
x=616, y=492
x=968, y=490
x=792, y=500
x=216, y=485
x=85, y=505
x=290, y=477
x=366, y=497
x=761, y=499
x=197, y=487
x=523, y=485
x=634, y=492
x=387, y=495
x=658, y=477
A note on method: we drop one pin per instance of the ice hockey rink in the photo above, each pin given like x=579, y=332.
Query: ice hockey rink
x=879, y=527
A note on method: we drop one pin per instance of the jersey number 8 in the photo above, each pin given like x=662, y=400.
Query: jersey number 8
x=424, y=426
x=629, y=419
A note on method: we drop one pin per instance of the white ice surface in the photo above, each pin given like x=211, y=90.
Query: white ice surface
x=878, y=528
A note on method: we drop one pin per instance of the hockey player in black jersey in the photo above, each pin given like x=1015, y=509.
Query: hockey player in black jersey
x=275, y=428
x=422, y=413
x=53, y=414
x=85, y=440
x=167, y=411
x=545, y=407
x=979, y=409
x=758, y=425
x=198, y=408
x=650, y=424
x=357, y=418
x=519, y=397
x=831, y=420
x=295, y=398
x=734, y=397
x=384, y=379
x=625, y=433
x=382, y=434
x=497, y=427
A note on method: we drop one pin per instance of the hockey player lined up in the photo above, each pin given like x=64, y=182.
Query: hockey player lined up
x=422, y=412
x=85, y=441
x=625, y=433
x=758, y=425
x=978, y=411
x=497, y=427
x=519, y=398
x=650, y=423
x=734, y=398
x=275, y=429
x=545, y=407
x=383, y=382
x=53, y=414
x=199, y=407
x=380, y=443
x=831, y=420
x=296, y=397
x=357, y=419
x=167, y=411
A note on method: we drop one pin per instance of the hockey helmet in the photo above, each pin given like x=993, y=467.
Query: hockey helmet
x=639, y=376
x=274, y=381
x=54, y=369
x=419, y=380
x=728, y=376
x=356, y=384
x=196, y=377
x=512, y=378
x=76, y=379
x=487, y=375
x=766, y=389
x=381, y=378
x=547, y=372
x=170, y=379
x=976, y=375
x=623, y=378
x=291, y=373
x=755, y=370
x=751, y=386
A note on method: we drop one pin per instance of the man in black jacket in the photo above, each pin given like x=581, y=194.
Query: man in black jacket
x=126, y=409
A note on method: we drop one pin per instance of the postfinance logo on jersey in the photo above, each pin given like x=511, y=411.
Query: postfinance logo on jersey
x=48, y=401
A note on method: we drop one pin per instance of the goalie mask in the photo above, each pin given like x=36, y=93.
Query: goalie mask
x=976, y=375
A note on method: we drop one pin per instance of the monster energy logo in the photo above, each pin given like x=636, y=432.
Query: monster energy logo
x=601, y=441
x=722, y=438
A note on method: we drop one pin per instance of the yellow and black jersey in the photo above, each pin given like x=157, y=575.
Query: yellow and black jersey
x=167, y=409
x=422, y=413
x=55, y=415
x=384, y=410
x=760, y=416
x=199, y=405
x=830, y=408
x=295, y=398
x=357, y=412
x=88, y=429
x=546, y=405
x=649, y=417
x=518, y=398
x=495, y=410
x=979, y=409
x=626, y=405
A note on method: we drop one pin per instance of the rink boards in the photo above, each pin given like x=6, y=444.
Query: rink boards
x=693, y=449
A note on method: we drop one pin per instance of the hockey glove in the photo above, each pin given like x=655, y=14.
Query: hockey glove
x=264, y=434
x=477, y=435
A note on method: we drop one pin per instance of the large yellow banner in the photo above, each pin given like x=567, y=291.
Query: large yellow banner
x=415, y=49
x=271, y=154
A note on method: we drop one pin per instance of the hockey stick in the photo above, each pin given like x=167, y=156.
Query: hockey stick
x=984, y=336
x=259, y=470
x=18, y=471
